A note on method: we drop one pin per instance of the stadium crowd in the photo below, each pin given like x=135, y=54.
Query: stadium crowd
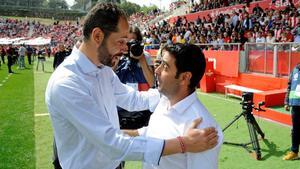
x=13, y=28
x=242, y=26
x=203, y=5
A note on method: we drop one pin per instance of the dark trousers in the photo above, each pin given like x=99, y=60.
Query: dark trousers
x=55, y=161
x=121, y=166
x=2, y=58
x=29, y=58
x=295, y=129
x=9, y=64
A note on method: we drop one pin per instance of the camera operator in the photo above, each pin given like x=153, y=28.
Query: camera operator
x=135, y=69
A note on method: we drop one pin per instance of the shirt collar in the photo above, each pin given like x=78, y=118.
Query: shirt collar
x=185, y=103
x=84, y=63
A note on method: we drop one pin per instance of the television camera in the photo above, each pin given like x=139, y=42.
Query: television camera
x=253, y=127
x=135, y=47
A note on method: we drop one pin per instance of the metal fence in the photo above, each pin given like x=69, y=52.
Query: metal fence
x=220, y=46
x=277, y=59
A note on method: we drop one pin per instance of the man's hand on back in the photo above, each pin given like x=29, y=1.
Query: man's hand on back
x=198, y=140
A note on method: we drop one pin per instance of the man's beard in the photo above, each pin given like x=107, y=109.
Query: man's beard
x=105, y=57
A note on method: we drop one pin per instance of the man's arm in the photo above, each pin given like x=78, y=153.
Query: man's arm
x=195, y=140
x=147, y=71
x=132, y=133
x=286, y=100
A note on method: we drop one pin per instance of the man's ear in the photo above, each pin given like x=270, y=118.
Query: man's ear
x=97, y=36
x=186, y=77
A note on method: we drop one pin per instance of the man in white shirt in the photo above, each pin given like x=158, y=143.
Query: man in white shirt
x=82, y=98
x=179, y=73
x=21, y=59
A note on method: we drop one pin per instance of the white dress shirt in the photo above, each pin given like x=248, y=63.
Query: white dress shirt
x=82, y=100
x=169, y=122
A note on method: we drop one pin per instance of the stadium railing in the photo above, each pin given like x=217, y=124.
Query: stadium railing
x=274, y=59
x=277, y=59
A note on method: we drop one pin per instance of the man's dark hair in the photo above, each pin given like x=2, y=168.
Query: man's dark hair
x=135, y=30
x=104, y=16
x=188, y=58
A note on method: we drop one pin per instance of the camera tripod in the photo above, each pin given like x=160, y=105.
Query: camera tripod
x=253, y=127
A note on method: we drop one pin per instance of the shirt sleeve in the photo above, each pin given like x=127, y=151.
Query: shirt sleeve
x=132, y=100
x=207, y=159
x=142, y=131
x=71, y=100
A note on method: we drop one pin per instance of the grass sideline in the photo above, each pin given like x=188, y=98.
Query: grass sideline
x=36, y=146
x=17, y=139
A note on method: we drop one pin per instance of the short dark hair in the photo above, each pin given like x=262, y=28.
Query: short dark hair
x=188, y=58
x=104, y=16
x=135, y=30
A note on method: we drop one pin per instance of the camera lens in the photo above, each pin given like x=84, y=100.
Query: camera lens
x=135, y=48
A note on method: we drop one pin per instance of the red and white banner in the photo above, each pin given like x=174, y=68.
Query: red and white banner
x=278, y=5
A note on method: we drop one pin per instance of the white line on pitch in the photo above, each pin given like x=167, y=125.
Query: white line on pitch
x=221, y=98
x=42, y=114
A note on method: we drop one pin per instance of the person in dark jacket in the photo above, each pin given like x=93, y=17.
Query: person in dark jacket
x=10, y=52
x=59, y=56
x=292, y=100
x=29, y=53
x=136, y=71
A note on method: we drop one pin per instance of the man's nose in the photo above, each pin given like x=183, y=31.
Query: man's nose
x=157, y=70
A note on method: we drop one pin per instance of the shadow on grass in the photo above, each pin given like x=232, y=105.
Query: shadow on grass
x=48, y=72
x=272, y=150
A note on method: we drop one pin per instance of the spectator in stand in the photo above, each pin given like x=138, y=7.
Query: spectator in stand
x=296, y=33
x=235, y=20
x=227, y=39
x=289, y=35
x=270, y=39
x=247, y=22
x=59, y=56
x=260, y=39
x=220, y=41
x=257, y=9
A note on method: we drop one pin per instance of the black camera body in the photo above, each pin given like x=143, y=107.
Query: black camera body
x=247, y=101
x=135, y=47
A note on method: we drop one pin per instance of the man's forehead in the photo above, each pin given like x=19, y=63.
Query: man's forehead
x=166, y=56
x=123, y=27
